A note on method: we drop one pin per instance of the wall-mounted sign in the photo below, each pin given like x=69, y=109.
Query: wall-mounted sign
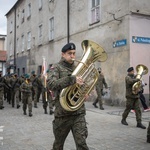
x=120, y=43
x=137, y=39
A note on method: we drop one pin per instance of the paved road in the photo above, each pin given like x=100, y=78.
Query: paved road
x=19, y=132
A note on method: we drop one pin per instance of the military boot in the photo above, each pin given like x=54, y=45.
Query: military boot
x=123, y=121
x=30, y=114
x=51, y=112
x=140, y=125
x=24, y=112
x=101, y=107
x=45, y=111
x=148, y=133
x=1, y=107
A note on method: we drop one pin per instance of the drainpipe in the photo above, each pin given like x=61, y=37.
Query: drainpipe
x=15, y=41
x=68, y=27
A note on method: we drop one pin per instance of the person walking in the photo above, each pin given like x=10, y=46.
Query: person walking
x=66, y=121
x=132, y=99
x=26, y=89
x=99, y=89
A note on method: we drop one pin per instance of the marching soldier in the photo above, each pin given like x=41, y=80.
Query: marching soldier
x=3, y=84
x=99, y=89
x=132, y=99
x=26, y=89
x=66, y=121
x=33, y=79
x=14, y=82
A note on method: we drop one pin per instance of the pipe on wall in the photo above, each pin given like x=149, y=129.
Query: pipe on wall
x=68, y=21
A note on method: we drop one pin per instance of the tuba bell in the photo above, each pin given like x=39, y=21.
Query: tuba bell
x=141, y=70
x=73, y=97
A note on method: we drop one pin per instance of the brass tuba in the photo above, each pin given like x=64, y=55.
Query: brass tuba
x=73, y=97
x=141, y=70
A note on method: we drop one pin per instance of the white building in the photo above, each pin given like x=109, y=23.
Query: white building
x=37, y=28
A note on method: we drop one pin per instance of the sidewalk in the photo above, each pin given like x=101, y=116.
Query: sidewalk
x=19, y=132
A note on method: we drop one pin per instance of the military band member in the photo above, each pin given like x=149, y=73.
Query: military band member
x=133, y=101
x=66, y=121
x=26, y=89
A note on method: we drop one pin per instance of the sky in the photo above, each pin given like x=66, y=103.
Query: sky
x=5, y=6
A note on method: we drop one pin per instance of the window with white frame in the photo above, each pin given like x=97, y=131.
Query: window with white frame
x=11, y=26
x=29, y=11
x=95, y=11
x=18, y=20
x=51, y=28
x=40, y=34
x=17, y=45
x=40, y=4
x=23, y=15
x=22, y=47
x=11, y=50
x=29, y=40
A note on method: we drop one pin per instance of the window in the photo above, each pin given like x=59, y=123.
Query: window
x=11, y=50
x=23, y=71
x=22, y=43
x=40, y=34
x=11, y=26
x=40, y=4
x=17, y=20
x=18, y=72
x=29, y=40
x=29, y=11
x=95, y=11
x=23, y=15
x=17, y=45
x=51, y=28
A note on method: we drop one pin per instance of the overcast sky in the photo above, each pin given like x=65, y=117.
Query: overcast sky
x=5, y=6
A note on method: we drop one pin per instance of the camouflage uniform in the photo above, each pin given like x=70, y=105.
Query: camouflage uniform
x=33, y=80
x=3, y=84
x=1, y=91
x=132, y=100
x=26, y=89
x=14, y=82
x=99, y=89
x=66, y=121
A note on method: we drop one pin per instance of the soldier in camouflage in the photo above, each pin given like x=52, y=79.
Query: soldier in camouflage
x=99, y=89
x=3, y=84
x=26, y=89
x=33, y=79
x=132, y=99
x=66, y=121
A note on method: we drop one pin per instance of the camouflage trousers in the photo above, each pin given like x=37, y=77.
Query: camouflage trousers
x=27, y=101
x=1, y=97
x=132, y=104
x=99, y=97
x=77, y=125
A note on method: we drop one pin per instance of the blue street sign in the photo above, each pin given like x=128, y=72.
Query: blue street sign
x=144, y=40
x=120, y=43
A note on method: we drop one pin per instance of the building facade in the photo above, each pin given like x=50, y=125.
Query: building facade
x=3, y=53
x=40, y=28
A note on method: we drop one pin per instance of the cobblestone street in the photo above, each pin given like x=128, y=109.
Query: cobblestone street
x=19, y=132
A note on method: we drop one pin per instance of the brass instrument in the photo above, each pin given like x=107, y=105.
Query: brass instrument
x=73, y=97
x=141, y=70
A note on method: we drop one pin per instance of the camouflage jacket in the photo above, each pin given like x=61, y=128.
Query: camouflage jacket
x=59, y=78
x=26, y=88
x=130, y=80
x=100, y=82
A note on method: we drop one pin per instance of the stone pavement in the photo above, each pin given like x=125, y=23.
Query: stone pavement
x=19, y=132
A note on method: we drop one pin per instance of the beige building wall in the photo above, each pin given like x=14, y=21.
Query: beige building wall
x=116, y=23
